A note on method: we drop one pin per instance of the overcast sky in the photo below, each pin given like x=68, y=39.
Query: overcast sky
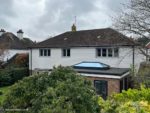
x=41, y=19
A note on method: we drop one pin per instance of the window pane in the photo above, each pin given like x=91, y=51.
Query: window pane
x=116, y=52
x=68, y=52
x=104, y=52
x=45, y=52
x=98, y=52
x=64, y=52
x=41, y=52
x=110, y=52
x=49, y=52
x=101, y=87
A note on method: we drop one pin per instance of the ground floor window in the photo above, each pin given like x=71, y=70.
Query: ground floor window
x=101, y=87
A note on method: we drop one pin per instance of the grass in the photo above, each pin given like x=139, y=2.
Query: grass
x=4, y=91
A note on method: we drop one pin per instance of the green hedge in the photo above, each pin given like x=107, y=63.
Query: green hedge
x=10, y=76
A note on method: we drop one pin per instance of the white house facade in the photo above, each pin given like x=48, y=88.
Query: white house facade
x=102, y=45
x=124, y=59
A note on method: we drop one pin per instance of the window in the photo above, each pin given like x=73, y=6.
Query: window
x=66, y=52
x=110, y=52
x=98, y=52
x=45, y=52
x=101, y=87
x=107, y=52
x=116, y=52
x=104, y=54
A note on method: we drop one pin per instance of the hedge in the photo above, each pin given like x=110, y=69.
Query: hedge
x=10, y=76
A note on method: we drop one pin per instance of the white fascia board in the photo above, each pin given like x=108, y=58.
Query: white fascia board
x=105, y=76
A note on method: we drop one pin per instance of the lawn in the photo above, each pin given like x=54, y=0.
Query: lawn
x=4, y=91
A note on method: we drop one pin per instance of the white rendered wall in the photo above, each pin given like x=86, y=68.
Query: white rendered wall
x=10, y=53
x=83, y=54
x=20, y=35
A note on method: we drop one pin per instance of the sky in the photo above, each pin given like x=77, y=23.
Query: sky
x=41, y=19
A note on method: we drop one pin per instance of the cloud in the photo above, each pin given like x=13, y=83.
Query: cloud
x=6, y=11
x=40, y=19
x=59, y=15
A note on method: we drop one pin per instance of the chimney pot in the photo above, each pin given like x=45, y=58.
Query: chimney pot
x=2, y=31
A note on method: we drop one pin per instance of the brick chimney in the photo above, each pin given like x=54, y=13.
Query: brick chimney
x=73, y=28
x=20, y=34
x=2, y=31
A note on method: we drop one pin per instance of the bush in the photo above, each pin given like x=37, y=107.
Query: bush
x=63, y=91
x=131, y=101
x=1, y=93
x=10, y=76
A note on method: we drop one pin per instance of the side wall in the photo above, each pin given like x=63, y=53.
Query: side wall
x=83, y=54
x=10, y=53
x=113, y=84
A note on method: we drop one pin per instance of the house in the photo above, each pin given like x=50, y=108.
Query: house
x=98, y=47
x=148, y=51
x=13, y=44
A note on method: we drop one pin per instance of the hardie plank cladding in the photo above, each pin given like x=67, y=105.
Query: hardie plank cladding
x=113, y=84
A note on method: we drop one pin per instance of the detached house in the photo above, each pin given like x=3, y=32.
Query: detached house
x=102, y=55
x=148, y=50
x=13, y=44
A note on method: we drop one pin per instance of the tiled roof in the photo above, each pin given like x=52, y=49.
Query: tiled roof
x=87, y=38
x=10, y=41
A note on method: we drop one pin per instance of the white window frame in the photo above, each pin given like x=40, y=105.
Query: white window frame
x=66, y=52
x=43, y=54
x=107, y=52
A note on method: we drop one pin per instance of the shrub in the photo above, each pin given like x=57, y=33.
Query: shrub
x=63, y=91
x=1, y=93
x=12, y=75
x=131, y=101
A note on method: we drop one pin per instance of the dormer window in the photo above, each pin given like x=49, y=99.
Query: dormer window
x=66, y=52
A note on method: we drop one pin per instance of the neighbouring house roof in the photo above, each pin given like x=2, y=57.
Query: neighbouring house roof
x=20, y=59
x=87, y=38
x=98, y=69
x=10, y=41
x=148, y=45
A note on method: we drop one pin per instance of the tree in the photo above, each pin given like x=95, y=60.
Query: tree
x=131, y=101
x=3, y=51
x=62, y=91
x=135, y=19
x=143, y=75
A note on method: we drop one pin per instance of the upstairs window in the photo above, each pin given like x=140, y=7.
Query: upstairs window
x=116, y=52
x=45, y=52
x=107, y=52
x=104, y=52
x=110, y=52
x=66, y=52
